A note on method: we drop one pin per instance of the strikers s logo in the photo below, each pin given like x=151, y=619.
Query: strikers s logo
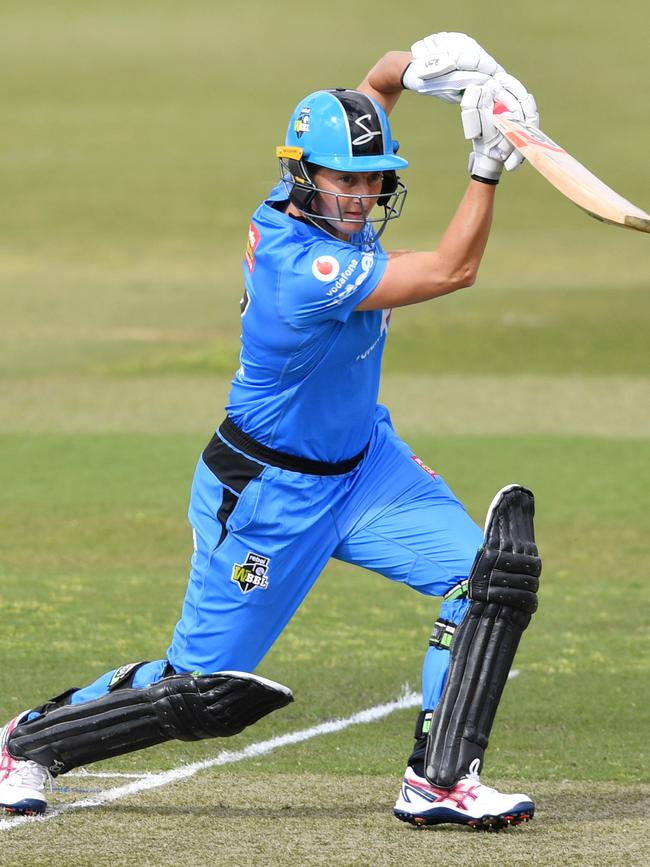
x=368, y=133
x=252, y=574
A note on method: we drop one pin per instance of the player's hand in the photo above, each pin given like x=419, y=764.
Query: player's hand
x=512, y=100
x=488, y=144
x=491, y=151
x=444, y=64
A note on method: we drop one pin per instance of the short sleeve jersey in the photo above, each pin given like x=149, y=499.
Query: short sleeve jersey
x=309, y=370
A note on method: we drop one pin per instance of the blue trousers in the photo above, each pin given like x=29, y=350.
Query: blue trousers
x=262, y=537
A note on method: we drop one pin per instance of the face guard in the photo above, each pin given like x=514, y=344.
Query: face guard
x=346, y=131
x=302, y=191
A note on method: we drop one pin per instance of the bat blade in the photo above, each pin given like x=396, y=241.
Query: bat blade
x=570, y=177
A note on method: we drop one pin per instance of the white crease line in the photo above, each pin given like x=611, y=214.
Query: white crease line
x=106, y=775
x=164, y=778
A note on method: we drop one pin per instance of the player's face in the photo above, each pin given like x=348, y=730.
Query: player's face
x=347, y=198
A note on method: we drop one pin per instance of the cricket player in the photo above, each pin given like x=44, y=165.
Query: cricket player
x=307, y=466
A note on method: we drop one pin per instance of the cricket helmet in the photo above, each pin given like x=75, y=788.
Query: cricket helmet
x=346, y=131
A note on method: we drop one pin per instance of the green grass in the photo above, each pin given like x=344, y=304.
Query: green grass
x=137, y=138
x=98, y=547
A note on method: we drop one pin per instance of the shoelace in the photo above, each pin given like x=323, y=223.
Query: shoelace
x=474, y=778
x=32, y=775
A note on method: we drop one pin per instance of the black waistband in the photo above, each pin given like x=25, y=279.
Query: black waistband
x=240, y=440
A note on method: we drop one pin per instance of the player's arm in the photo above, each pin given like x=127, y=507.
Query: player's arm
x=418, y=276
x=413, y=277
x=384, y=81
x=440, y=65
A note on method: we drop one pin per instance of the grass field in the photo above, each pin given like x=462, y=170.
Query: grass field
x=136, y=140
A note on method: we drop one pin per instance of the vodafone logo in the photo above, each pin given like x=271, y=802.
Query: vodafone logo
x=325, y=269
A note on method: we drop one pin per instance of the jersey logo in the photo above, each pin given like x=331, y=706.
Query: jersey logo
x=325, y=268
x=345, y=275
x=423, y=466
x=368, y=133
x=251, y=246
x=251, y=574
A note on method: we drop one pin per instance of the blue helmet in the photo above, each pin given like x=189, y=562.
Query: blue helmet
x=346, y=131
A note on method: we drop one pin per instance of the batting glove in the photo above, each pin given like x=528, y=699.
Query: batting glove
x=512, y=100
x=445, y=64
x=476, y=111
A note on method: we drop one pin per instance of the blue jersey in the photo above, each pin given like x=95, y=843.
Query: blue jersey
x=309, y=370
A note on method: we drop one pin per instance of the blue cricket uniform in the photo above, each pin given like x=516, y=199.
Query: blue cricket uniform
x=308, y=361
x=307, y=465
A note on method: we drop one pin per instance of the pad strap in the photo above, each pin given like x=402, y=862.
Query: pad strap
x=123, y=676
x=423, y=724
x=57, y=701
x=442, y=634
x=457, y=591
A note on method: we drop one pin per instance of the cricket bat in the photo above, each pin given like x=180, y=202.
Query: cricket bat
x=569, y=176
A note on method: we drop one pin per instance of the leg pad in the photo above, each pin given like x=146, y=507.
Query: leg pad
x=184, y=707
x=482, y=652
x=503, y=592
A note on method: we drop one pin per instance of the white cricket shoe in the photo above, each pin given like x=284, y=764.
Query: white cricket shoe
x=22, y=783
x=469, y=802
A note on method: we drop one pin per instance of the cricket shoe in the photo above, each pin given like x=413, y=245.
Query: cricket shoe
x=469, y=802
x=22, y=783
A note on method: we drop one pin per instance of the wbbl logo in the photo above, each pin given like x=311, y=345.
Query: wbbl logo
x=252, y=574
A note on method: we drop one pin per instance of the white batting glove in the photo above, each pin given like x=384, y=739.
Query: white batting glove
x=491, y=150
x=444, y=64
x=512, y=100
x=476, y=111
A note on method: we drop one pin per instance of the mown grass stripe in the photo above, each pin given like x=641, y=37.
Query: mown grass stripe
x=593, y=405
